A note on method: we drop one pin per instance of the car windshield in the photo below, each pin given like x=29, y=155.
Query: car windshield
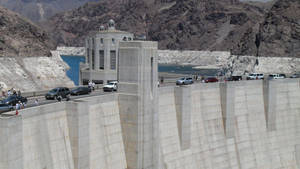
x=252, y=74
x=110, y=83
x=9, y=98
x=182, y=78
x=53, y=90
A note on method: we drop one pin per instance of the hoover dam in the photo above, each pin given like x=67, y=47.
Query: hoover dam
x=232, y=125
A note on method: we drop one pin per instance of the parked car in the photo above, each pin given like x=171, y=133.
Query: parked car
x=277, y=76
x=282, y=75
x=211, y=80
x=13, y=100
x=234, y=78
x=111, y=86
x=63, y=92
x=5, y=107
x=255, y=76
x=81, y=90
x=296, y=75
x=184, y=81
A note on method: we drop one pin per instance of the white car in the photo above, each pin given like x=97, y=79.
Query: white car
x=276, y=76
x=254, y=76
x=111, y=86
x=184, y=81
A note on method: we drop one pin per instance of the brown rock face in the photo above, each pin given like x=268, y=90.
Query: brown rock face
x=279, y=35
x=175, y=24
x=40, y=10
x=243, y=28
x=19, y=37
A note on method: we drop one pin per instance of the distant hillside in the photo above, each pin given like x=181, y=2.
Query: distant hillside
x=20, y=37
x=279, y=35
x=39, y=10
x=189, y=24
x=228, y=25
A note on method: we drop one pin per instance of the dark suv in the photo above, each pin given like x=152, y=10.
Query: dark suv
x=5, y=107
x=59, y=91
x=14, y=99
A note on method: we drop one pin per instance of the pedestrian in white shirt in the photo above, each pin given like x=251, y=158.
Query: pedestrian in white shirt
x=18, y=106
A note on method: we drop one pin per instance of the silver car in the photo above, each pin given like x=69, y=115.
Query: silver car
x=184, y=81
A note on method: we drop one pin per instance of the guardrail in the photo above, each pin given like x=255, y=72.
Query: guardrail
x=43, y=92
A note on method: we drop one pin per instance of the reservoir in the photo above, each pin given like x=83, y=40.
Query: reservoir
x=74, y=62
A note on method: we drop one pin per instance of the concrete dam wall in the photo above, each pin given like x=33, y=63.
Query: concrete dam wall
x=248, y=124
x=80, y=134
x=240, y=125
x=233, y=125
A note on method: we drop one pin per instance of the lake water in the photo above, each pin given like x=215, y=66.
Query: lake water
x=187, y=69
x=74, y=61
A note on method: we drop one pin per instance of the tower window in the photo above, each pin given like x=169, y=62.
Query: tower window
x=113, y=59
x=93, y=60
x=88, y=55
x=151, y=62
x=101, y=54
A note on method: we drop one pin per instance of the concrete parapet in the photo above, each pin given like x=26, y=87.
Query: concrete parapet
x=11, y=142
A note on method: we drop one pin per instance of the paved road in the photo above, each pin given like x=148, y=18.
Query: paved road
x=42, y=100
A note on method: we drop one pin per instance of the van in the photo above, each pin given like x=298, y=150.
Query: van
x=255, y=76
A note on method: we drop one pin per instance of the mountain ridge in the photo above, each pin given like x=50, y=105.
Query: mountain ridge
x=190, y=25
x=40, y=10
x=19, y=37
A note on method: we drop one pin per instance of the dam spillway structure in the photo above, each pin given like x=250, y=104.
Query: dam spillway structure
x=233, y=125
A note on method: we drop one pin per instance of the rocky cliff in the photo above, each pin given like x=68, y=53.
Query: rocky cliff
x=279, y=35
x=33, y=73
x=269, y=29
x=39, y=10
x=20, y=37
x=176, y=24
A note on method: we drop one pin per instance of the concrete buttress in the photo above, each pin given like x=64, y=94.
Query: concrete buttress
x=138, y=103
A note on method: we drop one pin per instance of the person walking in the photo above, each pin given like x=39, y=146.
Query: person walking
x=93, y=85
x=59, y=98
x=9, y=93
x=3, y=94
x=36, y=102
x=18, y=106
